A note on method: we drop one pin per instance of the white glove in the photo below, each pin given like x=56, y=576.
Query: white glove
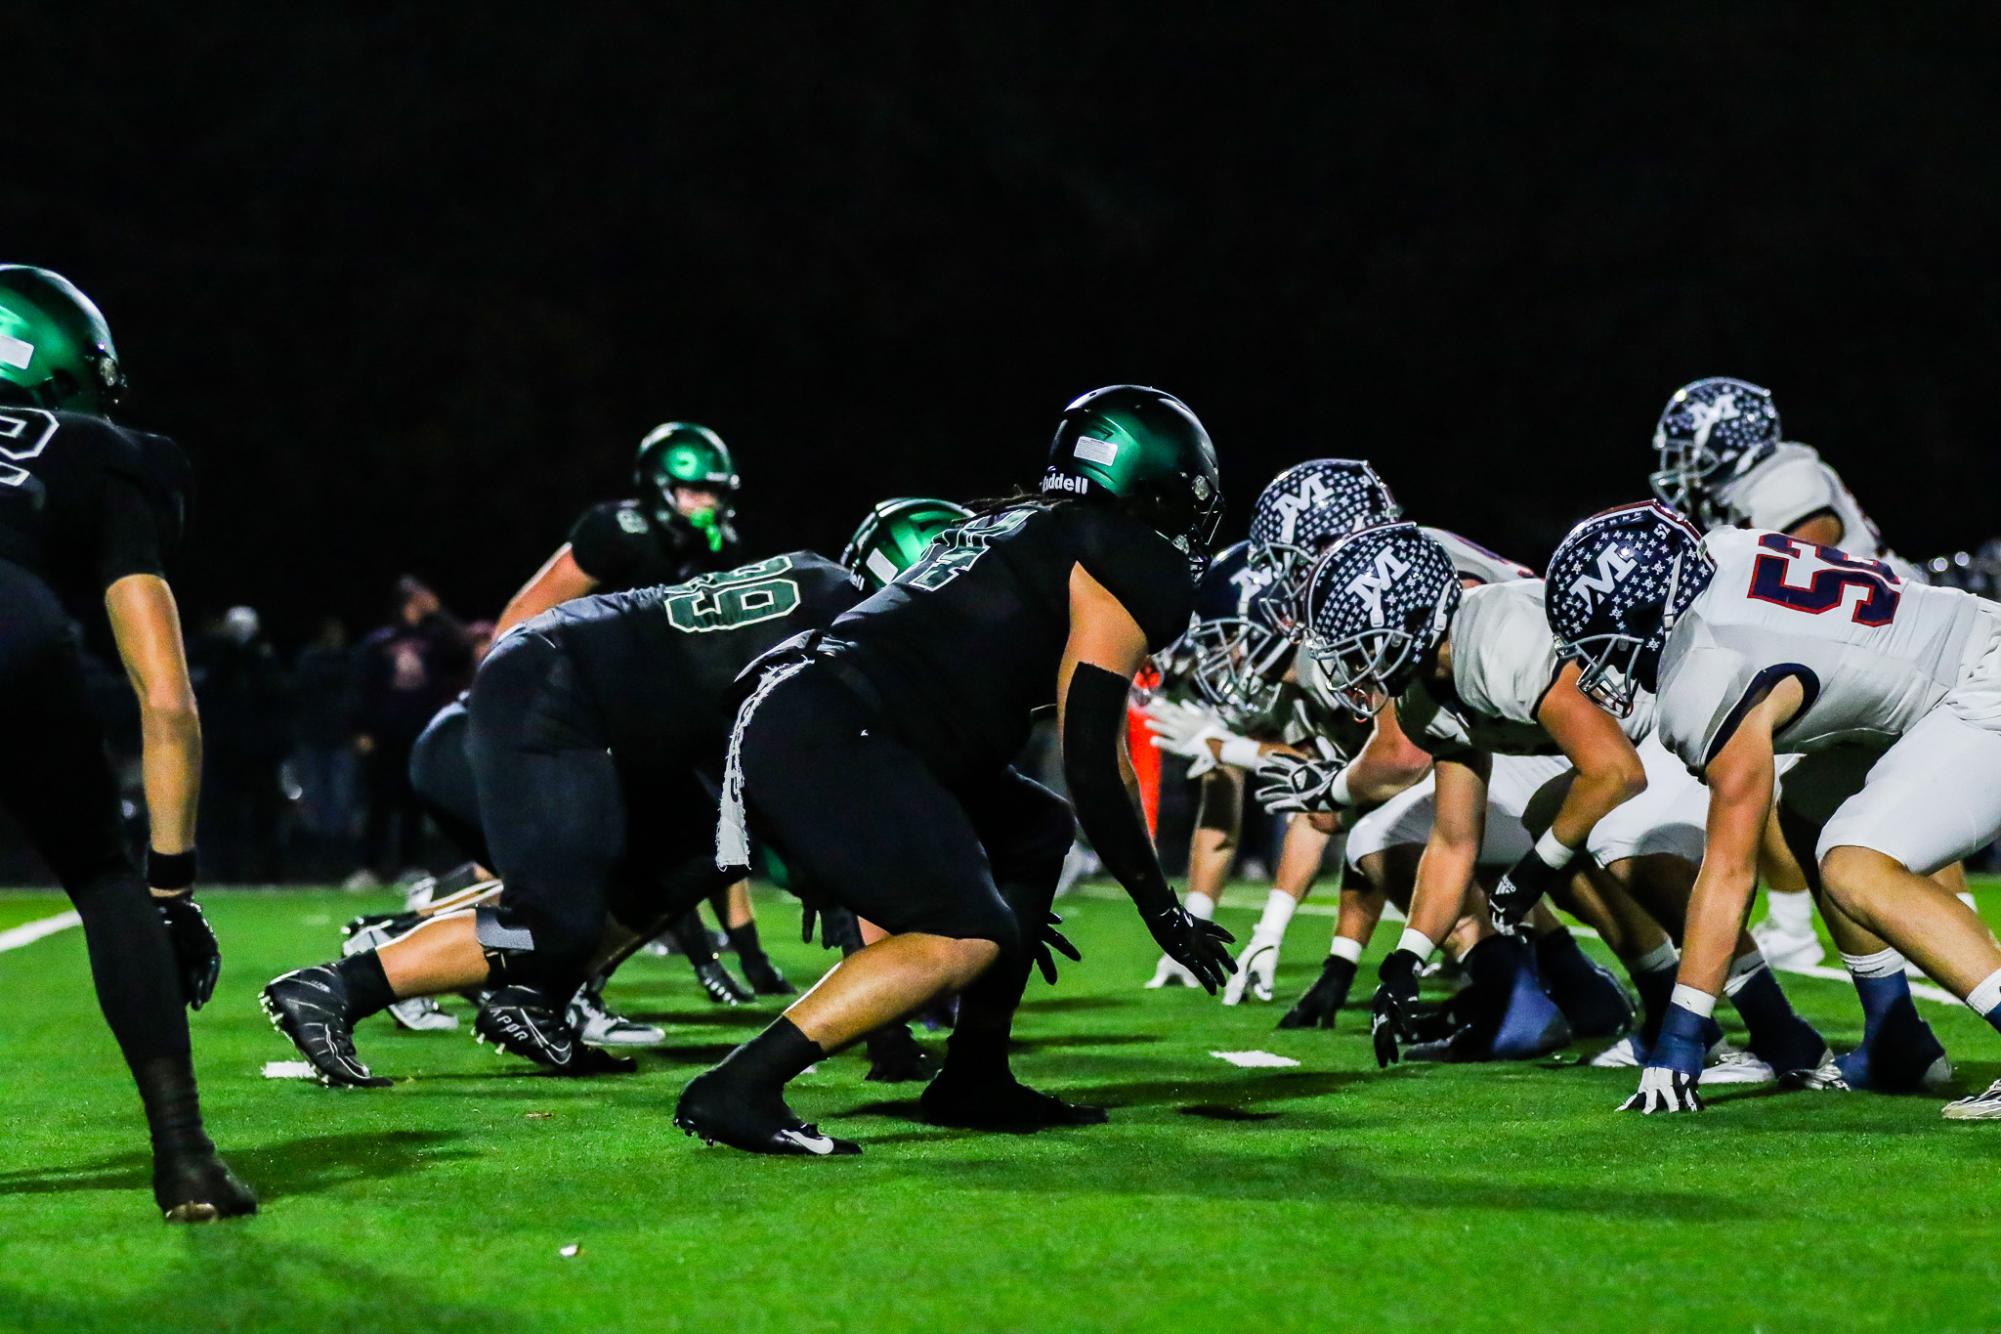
x=1256, y=967
x=1291, y=785
x=1663, y=1090
x=1171, y=973
x=1184, y=729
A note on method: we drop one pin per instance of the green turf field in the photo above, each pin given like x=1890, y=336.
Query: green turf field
x=1326, y=1196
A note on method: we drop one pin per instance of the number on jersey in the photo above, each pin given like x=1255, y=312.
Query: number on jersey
x=1789, y=577
x=743, y=596
x=24, y=434
x=957, y=548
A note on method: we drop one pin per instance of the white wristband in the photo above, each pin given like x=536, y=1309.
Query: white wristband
x=1416, y=942
x=1338, y=791
x=1552, y=851
x=1240, y=752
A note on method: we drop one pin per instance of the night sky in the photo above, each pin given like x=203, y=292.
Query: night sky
x=411, y=289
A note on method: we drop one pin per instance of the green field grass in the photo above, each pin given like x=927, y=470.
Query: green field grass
x=1325, y=1196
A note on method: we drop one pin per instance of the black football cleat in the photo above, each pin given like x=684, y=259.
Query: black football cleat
x=309, y=1006
x=1004, y=1103
x=714, y=1111
x=199, y=1188
x=763, y=975
x=894, y=1057
x=523, y=1021
x=720, y=987
x=1324, y=999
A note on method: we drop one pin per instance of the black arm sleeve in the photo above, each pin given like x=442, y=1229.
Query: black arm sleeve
x=128, y=540
x=1094, y=717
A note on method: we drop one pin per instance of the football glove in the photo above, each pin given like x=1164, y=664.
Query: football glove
x=1521, y=888
x=1052, y=939
x=1196, y=945
x=1184, y=729
x=1662, y=1091
x=1393, y=1011
x=1290, y=784
x=197, y=955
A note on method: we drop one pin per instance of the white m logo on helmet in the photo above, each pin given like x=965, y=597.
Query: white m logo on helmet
x=1707, y=415
x=1369, y=586
x=1613, y=565
x=1313, y=492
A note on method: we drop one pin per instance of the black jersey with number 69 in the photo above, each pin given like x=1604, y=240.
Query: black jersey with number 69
x=661, y=663
x=84, y=502
x=965, y=644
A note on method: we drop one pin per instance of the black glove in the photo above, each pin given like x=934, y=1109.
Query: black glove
x=1521, y=889
x=197, y=955
x=1052, y=939
x=1393, y=1012
x=1288, y=784
x=1193, y=943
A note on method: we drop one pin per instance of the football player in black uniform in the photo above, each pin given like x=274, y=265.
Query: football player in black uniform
x=89, y=513
x=681, y=524
x=596, y=732
x=876, y=759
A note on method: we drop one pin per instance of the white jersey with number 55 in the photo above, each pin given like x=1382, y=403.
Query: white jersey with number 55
x=1872, y=652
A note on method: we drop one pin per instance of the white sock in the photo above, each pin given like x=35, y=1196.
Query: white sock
x=1742, y=969
x=1790, y=908
x=1663, y=955
x=1279, y=907
x=1696, y=1002
x=1985, y=999
x=1344, y=948
x=1883, y=963
x=1200, y=906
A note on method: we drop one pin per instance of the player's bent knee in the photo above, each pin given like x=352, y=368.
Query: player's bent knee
x=1849, y=873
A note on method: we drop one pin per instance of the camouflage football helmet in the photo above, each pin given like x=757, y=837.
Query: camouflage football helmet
x=55, y=348
x=1145, y=452
x=1378, y=604
x=894, y=535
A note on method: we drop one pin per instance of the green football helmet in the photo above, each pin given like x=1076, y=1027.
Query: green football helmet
x=1145, y=452
x=893, y=536
x=55, y=348
x=684, y=454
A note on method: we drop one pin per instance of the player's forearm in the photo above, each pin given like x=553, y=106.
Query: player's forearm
x=1103, y=787
x=170, y=766
x=1373, y=779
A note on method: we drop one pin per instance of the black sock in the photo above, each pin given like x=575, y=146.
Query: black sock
x=368, y=989
x=693, y=938
x=173, y=1106
x=771, y=1058
x=743, y=939
x=1338, y=973
x=978, y=1053
x=1492, y=964
x=1557, y=955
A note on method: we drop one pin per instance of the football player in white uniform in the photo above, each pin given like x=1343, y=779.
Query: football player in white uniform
x=1725, y=464
x=1475, y=674
x=1759, y=644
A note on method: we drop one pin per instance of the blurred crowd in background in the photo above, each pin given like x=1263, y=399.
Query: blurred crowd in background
x=307, y=754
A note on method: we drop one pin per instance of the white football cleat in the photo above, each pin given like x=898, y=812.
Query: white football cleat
x=1733, y=1065
x=598, y=1026
x=1985, y=1106
x=1621, y=1055
x=1789, y=950
x=1256, y=967
x=1826, y=1076
x=1661, y=1091
x=1169, y=973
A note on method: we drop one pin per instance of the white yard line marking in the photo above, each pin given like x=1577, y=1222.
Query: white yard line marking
x=29, y=933
x=1240, y=900
x=1255, y=1060
x=289, y=1070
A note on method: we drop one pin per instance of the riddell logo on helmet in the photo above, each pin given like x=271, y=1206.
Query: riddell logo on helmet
x=1056, y=481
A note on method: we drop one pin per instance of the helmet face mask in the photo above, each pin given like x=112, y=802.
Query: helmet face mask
x=1711, y=430
x=683, y=456
x=1378, y=605
x=1239, y=664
